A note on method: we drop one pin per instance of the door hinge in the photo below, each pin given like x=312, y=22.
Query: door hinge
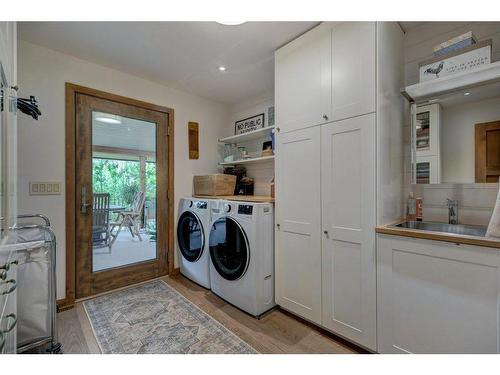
x=168, y=131
x=168, y=195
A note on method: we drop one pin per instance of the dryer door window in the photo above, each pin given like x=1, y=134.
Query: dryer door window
x=229, y=248
x=190, y=236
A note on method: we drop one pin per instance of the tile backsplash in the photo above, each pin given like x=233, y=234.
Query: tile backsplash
x=475, y=201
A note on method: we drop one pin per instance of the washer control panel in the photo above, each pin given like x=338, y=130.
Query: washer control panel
x=245, y=209
x=202, y=205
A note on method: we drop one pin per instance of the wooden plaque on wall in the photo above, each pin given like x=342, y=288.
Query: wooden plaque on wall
x=193, y=136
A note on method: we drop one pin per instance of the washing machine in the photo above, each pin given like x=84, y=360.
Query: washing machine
x=193, y=226
x=241, y=247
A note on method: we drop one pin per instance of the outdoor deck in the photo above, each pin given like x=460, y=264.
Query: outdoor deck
x=126, y=250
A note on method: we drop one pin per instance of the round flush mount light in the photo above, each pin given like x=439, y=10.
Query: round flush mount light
x=466, y=93
x=221, y=68
x=231, y=23
x=109, y=119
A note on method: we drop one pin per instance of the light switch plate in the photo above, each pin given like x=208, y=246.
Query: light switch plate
x=45, y=188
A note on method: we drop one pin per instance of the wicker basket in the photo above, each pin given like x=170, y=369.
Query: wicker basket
x=214, y=184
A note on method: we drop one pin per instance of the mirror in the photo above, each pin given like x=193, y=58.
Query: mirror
x=456, y=137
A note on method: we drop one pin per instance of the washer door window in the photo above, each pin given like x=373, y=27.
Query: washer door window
x=190, y=236
x=229, y=248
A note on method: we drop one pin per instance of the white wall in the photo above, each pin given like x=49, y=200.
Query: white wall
x=43, y=73
x=262, y=173
x=418, y=46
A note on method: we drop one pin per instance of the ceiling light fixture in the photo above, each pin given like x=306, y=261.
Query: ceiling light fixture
x=231, y=23
x=222, y=68
x=467, y=94
x=109, y=119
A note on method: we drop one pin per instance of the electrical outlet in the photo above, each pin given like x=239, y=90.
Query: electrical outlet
x=45, y=188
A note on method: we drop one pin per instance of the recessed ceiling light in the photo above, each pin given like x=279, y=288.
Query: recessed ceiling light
x=108, y=118
x=222, y=68
x=467, y=94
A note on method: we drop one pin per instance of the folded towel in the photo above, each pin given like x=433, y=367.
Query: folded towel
x=494, y=225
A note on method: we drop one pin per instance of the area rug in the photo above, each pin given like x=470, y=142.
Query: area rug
x=155, y=318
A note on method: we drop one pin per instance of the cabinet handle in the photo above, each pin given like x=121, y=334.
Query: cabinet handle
x=3, y=275
x=278, y=226
x=8, y=327
x=12, y=287
x=2, y=341
x=325, y=117
x=278, y=130
x=325, y=232
x=6, y=266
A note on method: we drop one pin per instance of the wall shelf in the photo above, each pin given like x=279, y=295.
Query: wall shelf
x=248, y=161
x=250, y=136
x=425, y=91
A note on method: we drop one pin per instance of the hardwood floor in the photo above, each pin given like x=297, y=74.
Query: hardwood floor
x=276, y=332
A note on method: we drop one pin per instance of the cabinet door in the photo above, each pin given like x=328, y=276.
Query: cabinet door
x=303, y=81
x=437, y=297
x=353, y=69
x=428, y=169
x=298, y=231
x=348, y=209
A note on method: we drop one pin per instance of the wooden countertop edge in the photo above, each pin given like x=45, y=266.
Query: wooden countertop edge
x=239, y=198
x=437, y=236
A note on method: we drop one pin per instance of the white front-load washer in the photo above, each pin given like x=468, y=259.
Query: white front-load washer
x=241, y=246
x=193, y=226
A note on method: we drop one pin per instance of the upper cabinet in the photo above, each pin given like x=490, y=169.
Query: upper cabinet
x=303, y=81
x=327, y=74
x=353, y=69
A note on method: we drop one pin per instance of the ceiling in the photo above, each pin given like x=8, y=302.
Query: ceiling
x=129, y=133
x=410, y=25
x=181, y=55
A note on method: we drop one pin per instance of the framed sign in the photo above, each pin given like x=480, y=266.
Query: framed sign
x=249, y=124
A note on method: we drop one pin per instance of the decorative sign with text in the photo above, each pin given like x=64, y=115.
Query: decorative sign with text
x=249, y=124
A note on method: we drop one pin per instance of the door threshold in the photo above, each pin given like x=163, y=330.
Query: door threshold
x=83, y=299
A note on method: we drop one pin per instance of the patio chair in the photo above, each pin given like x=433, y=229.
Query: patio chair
x=130, y=219
x=101, y=233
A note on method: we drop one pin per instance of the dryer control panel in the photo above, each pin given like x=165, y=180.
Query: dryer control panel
x=245, y=209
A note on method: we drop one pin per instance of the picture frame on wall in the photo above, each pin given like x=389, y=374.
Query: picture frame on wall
x=249, y=124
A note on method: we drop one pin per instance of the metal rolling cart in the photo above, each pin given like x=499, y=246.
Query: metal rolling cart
x=37, y=288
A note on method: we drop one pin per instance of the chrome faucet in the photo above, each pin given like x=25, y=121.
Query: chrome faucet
x=452, y=210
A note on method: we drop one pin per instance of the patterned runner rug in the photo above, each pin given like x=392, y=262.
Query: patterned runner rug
x=155, y=318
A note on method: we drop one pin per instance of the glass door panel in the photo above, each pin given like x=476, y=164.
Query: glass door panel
x=124, y=191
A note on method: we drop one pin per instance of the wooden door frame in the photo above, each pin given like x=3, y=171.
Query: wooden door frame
x=70, y=132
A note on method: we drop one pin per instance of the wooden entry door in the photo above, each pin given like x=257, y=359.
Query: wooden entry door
x=487, y=153
x=121, y=116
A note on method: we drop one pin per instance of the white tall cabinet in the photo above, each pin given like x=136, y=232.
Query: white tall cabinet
x=298, y=242
x=338, y=169
x=348, y=218
x=8, y=127
x=8, y=185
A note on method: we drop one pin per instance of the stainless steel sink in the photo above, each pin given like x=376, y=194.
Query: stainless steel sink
x=468, y=230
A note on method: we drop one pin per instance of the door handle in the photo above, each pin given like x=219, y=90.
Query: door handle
x=83, y=198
